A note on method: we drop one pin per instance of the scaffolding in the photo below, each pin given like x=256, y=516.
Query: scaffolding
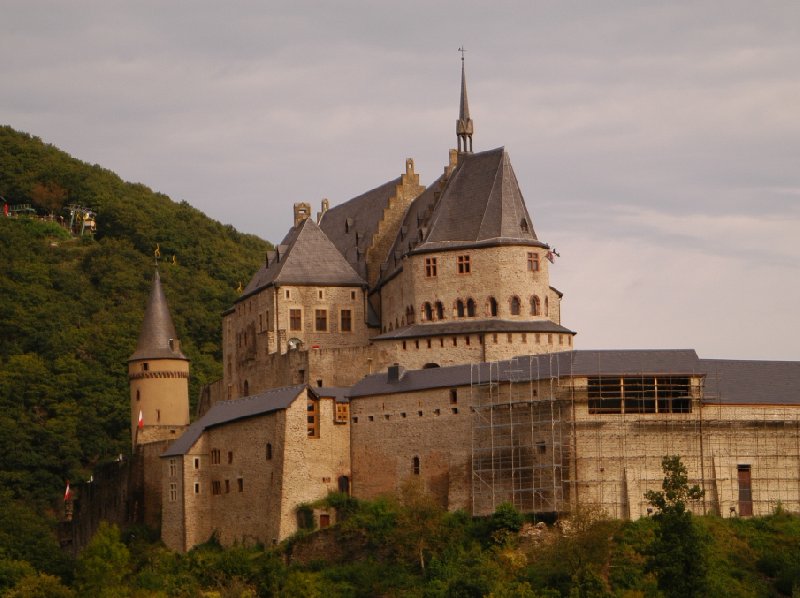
x=548, y=440
x=518, y=450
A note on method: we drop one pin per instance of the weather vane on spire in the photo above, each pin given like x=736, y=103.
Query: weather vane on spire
x=464, y=122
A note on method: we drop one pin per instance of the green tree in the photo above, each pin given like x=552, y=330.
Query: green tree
x=104, y=564
x=39, y=585
x=678, y=555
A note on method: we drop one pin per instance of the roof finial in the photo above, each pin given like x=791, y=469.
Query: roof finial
x=464, y=122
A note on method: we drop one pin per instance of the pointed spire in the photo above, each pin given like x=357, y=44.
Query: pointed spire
x=464, y=122
x=157, y=339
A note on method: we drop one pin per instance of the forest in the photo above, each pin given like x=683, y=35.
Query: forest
x=71, y=310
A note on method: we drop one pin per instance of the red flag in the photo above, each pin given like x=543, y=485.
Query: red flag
x=141, y=420
x=67, y=493
x=551, y=257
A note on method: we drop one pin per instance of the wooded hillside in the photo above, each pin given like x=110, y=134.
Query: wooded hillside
x=72, y=307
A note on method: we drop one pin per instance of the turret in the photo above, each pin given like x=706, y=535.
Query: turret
x=464, y=122
x=158, y=374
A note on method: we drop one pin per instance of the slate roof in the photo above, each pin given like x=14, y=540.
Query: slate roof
x=360, y=217
x=157, y=328
x=305, y=257
x=472, y=325
x=413, y=229
x=732, y=382
x=481, y=204
x=225, y=412
x=338, y=393
x=534, y=367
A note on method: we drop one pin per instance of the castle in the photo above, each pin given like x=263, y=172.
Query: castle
x=412, y=333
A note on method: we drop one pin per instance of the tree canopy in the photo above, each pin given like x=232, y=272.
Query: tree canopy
x=72, y=308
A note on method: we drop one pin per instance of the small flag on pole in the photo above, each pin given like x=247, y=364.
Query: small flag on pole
x=141, y=420
x=552, y=255
x=67, y=493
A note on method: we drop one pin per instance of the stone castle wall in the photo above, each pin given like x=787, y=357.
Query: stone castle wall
x=498, y=272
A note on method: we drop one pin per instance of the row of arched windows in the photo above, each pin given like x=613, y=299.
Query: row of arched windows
x=469, y=309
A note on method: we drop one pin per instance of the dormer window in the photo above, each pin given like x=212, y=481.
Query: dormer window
x=523, y=225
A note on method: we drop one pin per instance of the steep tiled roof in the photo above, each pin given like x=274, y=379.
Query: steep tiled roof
x=305, y=257
x=360, y=217
x=225, y=412
x=482, y=203
x=157, y=328
x=473, y=325
x=534, y=367
x=338, y=393
x=741, y=382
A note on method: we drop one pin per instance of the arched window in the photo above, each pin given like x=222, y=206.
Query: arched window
x=415, y=465
x=246, y=388
x=439, y=310
x=536, y=309
x=430, y=366
x=493, y=307
x=546, y=308
x=410, y=314
x=470, y=308
x=269, y=451
x=460, y=308
x=428, y=311
x=396, y=323
x=138, y=396
x=515, y=306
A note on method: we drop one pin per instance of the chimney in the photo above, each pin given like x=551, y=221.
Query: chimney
x=394, y=373
x=325, y=206
x=301, y=212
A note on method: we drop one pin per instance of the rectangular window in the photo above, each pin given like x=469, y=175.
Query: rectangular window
x=173, y=492
x=745, y=491
x=453, y=396
x=639, y=394
x=227, y=486
x=312, y=418
x=197, y=463
x=342, y=413
x=216, y=487
x=533, y=261
x=230, y=457
x=347, y=321
x=287, y=294
x=295, y=320
x=173, y=468
x=352, y=295
x=240, y=483
x=463, y=264
x=197, y=487
x=321, y=320
x=430, y=267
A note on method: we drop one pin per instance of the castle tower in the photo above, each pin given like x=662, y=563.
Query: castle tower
x=464, y=122
x=158, y=373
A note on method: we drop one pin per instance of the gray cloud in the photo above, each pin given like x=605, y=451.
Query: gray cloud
x=656, y=143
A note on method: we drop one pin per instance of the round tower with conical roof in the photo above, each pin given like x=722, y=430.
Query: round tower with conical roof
x=158, y=373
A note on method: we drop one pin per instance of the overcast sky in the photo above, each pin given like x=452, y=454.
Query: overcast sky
x=657, y=143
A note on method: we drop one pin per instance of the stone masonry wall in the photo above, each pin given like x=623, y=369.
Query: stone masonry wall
x=383, y=239
x=389, y=431
x=499, y=272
